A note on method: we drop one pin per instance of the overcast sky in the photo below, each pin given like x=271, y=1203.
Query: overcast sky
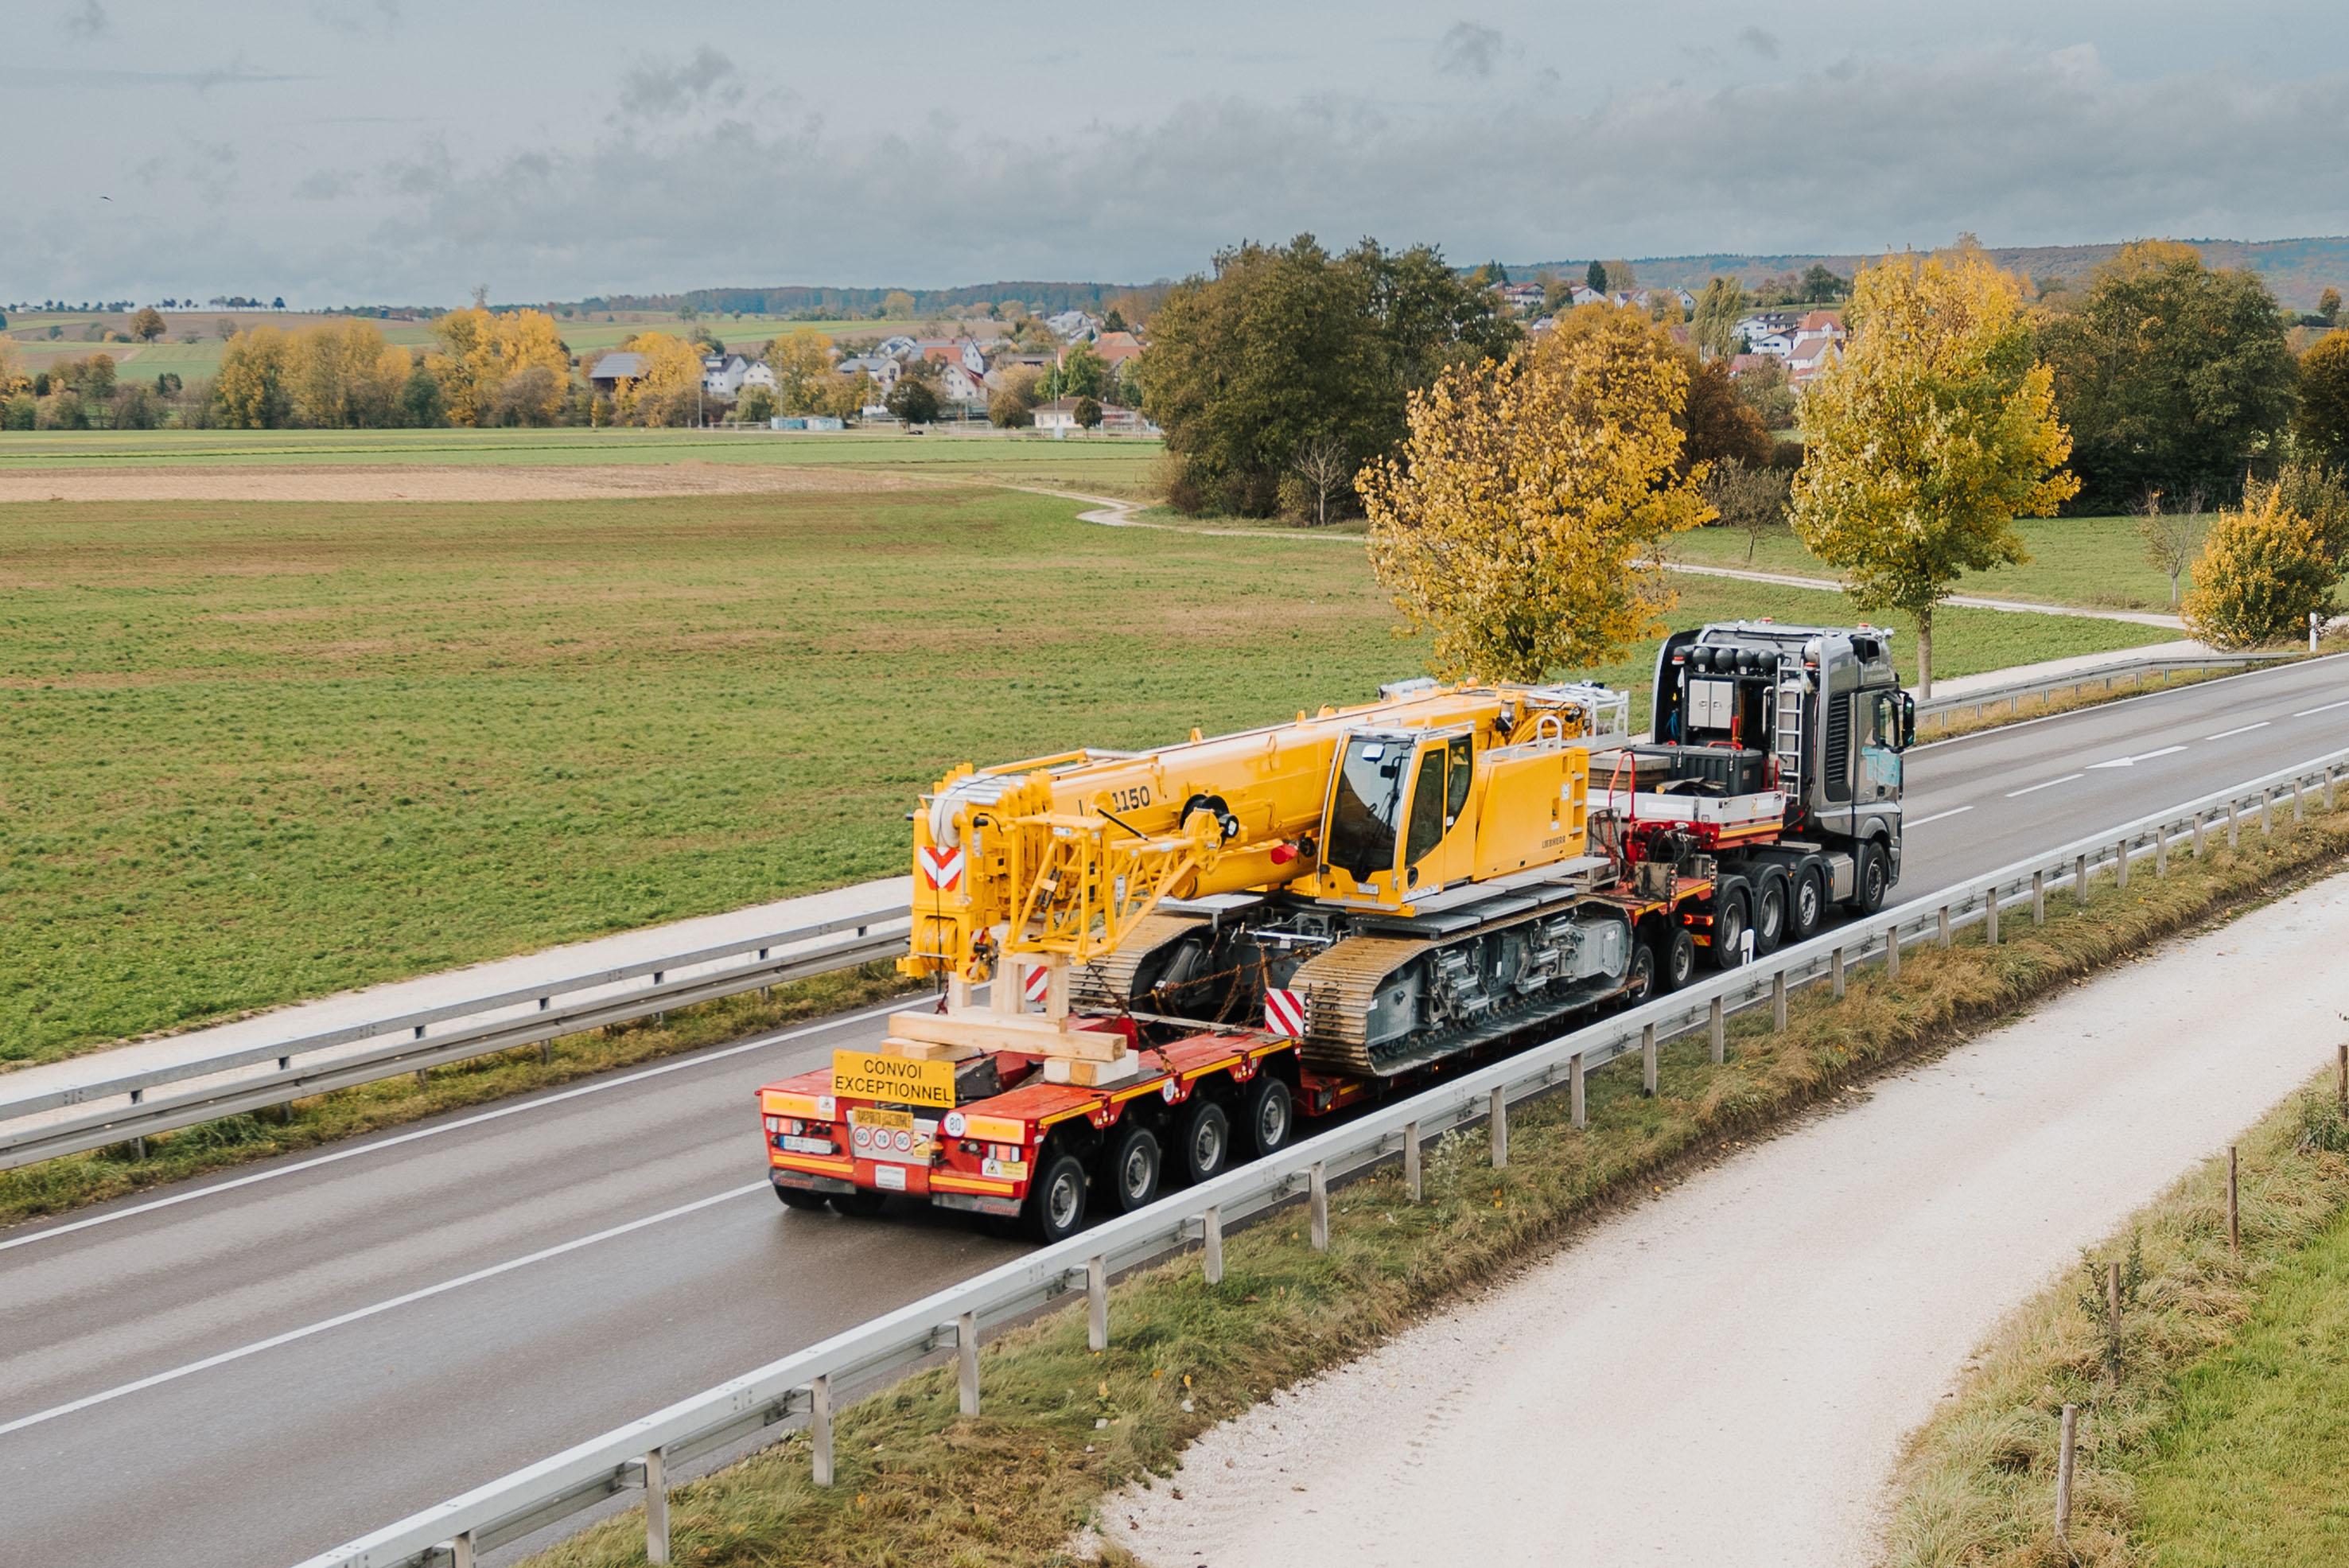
x=405, y=151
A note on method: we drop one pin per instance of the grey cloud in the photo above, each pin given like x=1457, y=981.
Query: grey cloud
x=656, y=89
x=1469, y=49
x=357, y=17
x=324, y=185
x=1765, y=44
x=87, y=20
x=237, y=73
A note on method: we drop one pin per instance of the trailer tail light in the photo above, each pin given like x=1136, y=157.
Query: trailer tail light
x=775, y=1124
x=1003, y=1150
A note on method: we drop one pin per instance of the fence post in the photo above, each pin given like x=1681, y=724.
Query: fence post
x=1778, y=1001
x=655, y=1508
x=820, y=1428
x=2234, y=826
x=2234, y=1205
x=2328, y=787
x=1317, y=1202
x=1716, y=1023
x=1580, y=1105
x=2198, y=835
x=1411, y=1171
x=2121, y=859
x=1499, y=1122
x=2345, y=1080
x=2079, y=879
x=1892, y=953
x=967, y=1361
x=2064, y=1474
x=1989, y=917
x=1835, y=971
x=1097, y=1304
x=2039, y=898
x=1211, y=1232
x=2161, y=850
x=1648, y=1060
x=1942, y=929
x=2299, y=806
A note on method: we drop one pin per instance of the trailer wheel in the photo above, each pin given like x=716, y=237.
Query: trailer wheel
x=858, y=1205
x=1769, y=912
x=1871, y=879
x=1131, y=1165
x=1806, y=903
x=1203, y=1144
x=1639, y=984
x=1731, y=919
x=1056, y=1200
x=801, y=1199
x=1267, y=1115
x=1675, y=958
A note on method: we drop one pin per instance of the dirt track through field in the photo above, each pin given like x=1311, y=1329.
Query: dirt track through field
x=1724, y=1375
x=607, y=482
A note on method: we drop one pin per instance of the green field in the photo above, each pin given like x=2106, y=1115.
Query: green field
x=1115, y=465
x=2097, y=563
x=265, y=751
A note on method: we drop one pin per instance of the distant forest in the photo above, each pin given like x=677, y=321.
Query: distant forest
x=843, y=304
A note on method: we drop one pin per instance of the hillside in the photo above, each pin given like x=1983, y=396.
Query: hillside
x=2297, y=270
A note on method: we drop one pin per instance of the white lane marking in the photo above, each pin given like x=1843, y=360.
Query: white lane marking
x=2051, y=784
x=2240, y=730
x=675, y=1064
x=2328, y=707
x=290, y=1335
x=2140, y=757
x=1939, y=816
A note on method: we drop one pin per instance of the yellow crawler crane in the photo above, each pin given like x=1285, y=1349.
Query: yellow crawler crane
x=1401, y=878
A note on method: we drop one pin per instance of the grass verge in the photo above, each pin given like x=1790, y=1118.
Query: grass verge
x=2215, y=1427
x=57, y=1185
x=922, y=1486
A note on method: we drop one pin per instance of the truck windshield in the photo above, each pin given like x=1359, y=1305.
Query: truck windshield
x=1367, y=806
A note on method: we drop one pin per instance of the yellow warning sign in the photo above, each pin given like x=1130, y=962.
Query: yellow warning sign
x=892, y=1080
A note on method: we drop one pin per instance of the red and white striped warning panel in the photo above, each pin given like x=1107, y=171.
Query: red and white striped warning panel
x=941, y=869
x=1284, y=1014
x=1038, y=984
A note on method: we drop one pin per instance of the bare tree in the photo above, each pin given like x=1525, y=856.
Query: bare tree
x=1753, y=499
x=2172, y=533
x=1327, y=468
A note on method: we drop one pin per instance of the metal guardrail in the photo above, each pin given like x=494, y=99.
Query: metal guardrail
x=2137, y=670
x=638, y=1456
x=124, y=1106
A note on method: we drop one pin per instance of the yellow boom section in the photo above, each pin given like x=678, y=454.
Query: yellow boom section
x=1060, y=855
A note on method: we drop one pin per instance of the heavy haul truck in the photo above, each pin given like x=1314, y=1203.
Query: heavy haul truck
x=1185, y=950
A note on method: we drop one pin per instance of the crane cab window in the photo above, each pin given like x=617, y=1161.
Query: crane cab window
x=1460, y=770
x=1366, y=805
x=1427, y=807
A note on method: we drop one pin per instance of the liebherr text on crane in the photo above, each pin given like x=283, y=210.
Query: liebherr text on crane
x=1185, y=950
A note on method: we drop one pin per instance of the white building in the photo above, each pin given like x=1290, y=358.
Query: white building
x=759, y=374
x=721, y=374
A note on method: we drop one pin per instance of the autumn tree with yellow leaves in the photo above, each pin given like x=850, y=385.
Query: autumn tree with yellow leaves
x=1936, y=431
x=800, y=360
x=344, y=376
x=663, y=394
x=2264, y=569
x=1521, y=520
x=481, y=351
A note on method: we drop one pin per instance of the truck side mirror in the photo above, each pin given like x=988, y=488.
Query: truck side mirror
x=1908, y=721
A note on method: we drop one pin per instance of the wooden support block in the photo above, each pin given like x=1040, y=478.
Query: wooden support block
x=1089, y=1075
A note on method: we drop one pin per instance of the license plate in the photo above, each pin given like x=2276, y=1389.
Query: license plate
x=888, y=1121
x=889, y=1178
x=1004, y=1170
x=806, y=1145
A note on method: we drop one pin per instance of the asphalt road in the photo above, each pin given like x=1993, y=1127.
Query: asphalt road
x=248, y=1369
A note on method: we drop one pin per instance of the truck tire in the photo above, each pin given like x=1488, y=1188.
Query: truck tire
x=1641, y=984
x=1203, y=1141
x=1132, y=1164
x=1770, y=904
x=1871, y=878
x=1675, y=958
x=801, y=1199
x=1733, y=917
x=1807, y=902
x=1268, y=1115
x=1055, y=1209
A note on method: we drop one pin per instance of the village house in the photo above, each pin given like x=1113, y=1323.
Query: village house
x=721, y=374
x=614, y=369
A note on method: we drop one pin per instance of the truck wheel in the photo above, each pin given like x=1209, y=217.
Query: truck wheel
x=1806, y=903
x=1870, y=880
x=858, y=1205
x=1203, y=1145
x=1640, y=985
x=1769, y=912
x=1056, y=1200
x=1268, y=1115
x=1130, y=1164
x=1731, y=919
x=1676, y=958
x=801, y=1199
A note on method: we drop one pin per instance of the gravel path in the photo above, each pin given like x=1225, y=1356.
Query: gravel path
x=1725, y=1373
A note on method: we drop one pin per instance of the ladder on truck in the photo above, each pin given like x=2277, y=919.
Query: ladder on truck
x=1786, y=727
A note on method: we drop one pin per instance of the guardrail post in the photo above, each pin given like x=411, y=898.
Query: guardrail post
x=655, y=1508
x=1778, y=1001
x=2198, y=835
x=2328, y=787
x=2161, y=850
x=2079, y=879
x=138, y=1145
x=1318, y=1199
x=2266, y=826
x=1648, y=1060
x=2039, y=898
x=461, y=1550
x=1411, y=1172
x=2234, y=826
x=2299, y=806
x=1716, y=1024
x=1211, y=1233
x=1835, y=971
x=1097, y=1304
x=1942, y=927
x=2121, y=860
x=1498, y=1121
x=1892, y=953
x=1579, y=1105
x=967, y=1362
x=1989, y=917
x=820, y=1428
